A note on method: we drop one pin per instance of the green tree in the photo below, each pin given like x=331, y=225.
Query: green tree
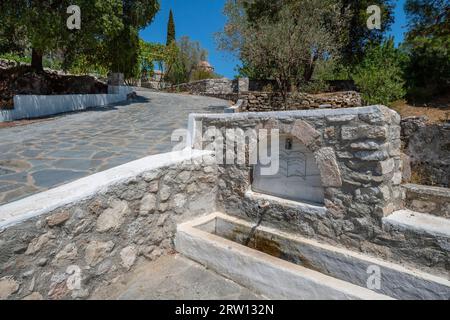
x=285, y=43
x=171, y=36
x=428, y=44
x=379, y=76
x=358, y=37
x=354, y=34
x=106, y=26
x=190, y=53
x=200, y=74
x=155, y=54
x=428, y=17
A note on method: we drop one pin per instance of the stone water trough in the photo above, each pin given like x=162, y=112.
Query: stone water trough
x=283, y=265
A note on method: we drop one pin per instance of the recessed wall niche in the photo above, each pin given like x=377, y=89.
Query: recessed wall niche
x=298, y=177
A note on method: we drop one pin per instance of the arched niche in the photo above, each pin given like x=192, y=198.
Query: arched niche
x=298, y=177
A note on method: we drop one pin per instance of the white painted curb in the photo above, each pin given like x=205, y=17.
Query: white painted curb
x=35, y=106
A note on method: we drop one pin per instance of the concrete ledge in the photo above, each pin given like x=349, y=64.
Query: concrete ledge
x=300, y=206
x=35, y=106
x=427, y=199
x=406, y=220
x=44, y=202
x=428, y=190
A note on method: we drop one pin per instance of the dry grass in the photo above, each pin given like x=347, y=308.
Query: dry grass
x=436, y=111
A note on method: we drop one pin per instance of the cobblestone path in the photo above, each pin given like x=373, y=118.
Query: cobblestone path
x=43, y=155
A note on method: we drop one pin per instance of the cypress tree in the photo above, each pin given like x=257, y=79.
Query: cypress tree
x=170, y=29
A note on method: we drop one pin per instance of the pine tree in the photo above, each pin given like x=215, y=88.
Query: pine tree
x=170, y=29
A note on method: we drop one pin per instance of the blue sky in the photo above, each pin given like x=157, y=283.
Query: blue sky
x=201, y=19
x=399, y=26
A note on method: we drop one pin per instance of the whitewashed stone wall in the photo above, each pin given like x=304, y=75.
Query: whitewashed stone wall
x=358, y=154
x=34, y=106
x=59, y=250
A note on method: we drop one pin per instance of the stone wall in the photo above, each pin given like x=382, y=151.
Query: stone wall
x=258, y=101
x=334, y=85
x=359, y=156
x=155, y=85
x=208, y=86
x=69, y=241
x=273, y=101
x=428, y=148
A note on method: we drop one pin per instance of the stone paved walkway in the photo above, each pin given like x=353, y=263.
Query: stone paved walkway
x=43, y=155
x=173, y=278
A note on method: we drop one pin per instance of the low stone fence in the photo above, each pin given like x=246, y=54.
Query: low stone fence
x=273, y=101
x=259, y=101
x=213, y=87
x=208, y=86
x=333, y=85
x=67, y=242
x=35, y=106
x=428, y=149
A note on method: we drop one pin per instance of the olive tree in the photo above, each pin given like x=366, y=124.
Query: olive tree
x=287, y=44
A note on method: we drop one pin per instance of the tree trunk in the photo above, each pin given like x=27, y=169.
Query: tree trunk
x=36, y=60
x=309, y=70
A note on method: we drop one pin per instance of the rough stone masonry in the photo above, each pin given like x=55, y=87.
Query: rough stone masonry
x=358, y=153
x=71, y=251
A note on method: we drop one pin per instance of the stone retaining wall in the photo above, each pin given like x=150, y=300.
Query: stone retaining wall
x=258, y=101
x=333, y=85
x=273, y=101
x=429, y=200
x=208, y=86
x=67, y=242
x=428, y=148
x=358, y=153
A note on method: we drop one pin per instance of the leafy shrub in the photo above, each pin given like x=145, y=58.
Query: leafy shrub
x=268, y=88
x=202, y=75
x=316, y=86
x=16, y=58
x=379, y=76
x=428, y=71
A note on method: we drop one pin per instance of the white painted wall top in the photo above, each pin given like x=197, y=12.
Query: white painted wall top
x=85, y=188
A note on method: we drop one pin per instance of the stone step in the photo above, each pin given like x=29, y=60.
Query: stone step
x=281, y=265
x=427, y=199
x=420, y=224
